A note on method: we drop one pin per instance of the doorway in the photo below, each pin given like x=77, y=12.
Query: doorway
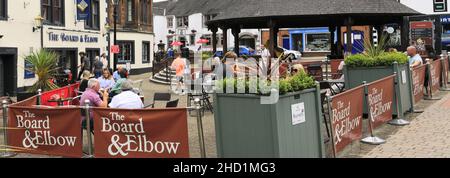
x=91, y=53
x=68, y=59
x=8, y=72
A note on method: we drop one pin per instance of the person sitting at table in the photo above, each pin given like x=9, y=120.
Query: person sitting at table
x=106, y=81
x=116, y=74
x=413, y=57
x=117, y=86
x=92, y=95
x=339, y=86
x=84, y=81
x=127, y=99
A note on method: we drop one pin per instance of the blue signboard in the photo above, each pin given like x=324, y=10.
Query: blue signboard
x=445, y=19
x=28, y=74
x=83, y=9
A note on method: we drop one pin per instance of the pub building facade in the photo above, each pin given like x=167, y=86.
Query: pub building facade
x=68, y=27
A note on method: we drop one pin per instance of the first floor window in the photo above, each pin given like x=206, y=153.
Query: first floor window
x=130, y=10
x=53, y=11
x=169, y=22
x=93, y=22
x=3, y=9
x=126, y=52
x=145, y=52
x=192, y=39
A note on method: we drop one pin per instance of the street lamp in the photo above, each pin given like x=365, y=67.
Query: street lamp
x=115, y=4
x=38, y=25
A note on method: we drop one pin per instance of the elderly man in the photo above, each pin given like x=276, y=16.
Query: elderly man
x=116, y=74
x=413, y=57
x=92, y=94
x=127, y=99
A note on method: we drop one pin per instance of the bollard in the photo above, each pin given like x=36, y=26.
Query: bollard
x=370, y=139
x=88, y=129
x=328, y=96
x=5, y=153
x=200, y=127
x=399, y=121
x=39, y=97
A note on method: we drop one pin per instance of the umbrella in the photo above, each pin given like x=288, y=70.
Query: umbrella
x=177, y=43
x=202, y=41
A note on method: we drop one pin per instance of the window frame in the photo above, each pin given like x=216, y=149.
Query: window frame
x=128, y=13
x=132, y=51
x=148, y=52
x=50, y=18
x=4, y=11
x=88, y=24
x=145, y=12
x=170, y=25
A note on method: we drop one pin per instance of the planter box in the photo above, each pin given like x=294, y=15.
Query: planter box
x=247, y=129
x=355, y=76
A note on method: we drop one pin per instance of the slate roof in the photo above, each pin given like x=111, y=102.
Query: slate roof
x=188, y=7
x=323, y=12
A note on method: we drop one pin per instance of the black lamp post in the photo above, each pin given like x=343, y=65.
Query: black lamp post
x=115, y=4
x=108, y=28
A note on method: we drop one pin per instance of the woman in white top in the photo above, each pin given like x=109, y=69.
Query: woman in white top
x=106, y=80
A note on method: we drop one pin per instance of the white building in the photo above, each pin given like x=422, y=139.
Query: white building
x=184, y=21
x=63, y=33
x=428, y=6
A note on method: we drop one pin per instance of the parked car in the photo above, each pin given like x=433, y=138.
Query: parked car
x=297, y=54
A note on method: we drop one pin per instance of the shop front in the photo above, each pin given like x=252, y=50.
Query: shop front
x=310, y=41
x=69, y=43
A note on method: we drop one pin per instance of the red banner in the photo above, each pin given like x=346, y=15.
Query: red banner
x=435, y=70
x=418, y=77
x=346, y=117
x=380, y=100
x=45, y=131
x=141, y=133
x=64, y=92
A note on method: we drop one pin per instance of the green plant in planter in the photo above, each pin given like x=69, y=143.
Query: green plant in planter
x=375, y=55
x=44, y=66
x=298, y=82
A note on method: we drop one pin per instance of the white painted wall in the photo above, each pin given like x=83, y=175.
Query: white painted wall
x=423, y=6
x=160, y=29
x=17, y=32
x=138, y=38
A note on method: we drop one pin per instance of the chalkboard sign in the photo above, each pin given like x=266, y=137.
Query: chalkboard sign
x=28, y=74
x=421, y=35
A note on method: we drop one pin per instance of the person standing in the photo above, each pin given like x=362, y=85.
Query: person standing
x=98, y=67
x=104, y=61
x=85, y=64
x=179, y=65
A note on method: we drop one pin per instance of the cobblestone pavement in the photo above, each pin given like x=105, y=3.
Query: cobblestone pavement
x=426, y=137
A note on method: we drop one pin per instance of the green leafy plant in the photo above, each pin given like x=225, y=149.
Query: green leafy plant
x=298, y=82
x=375, y=55
x=44, y=66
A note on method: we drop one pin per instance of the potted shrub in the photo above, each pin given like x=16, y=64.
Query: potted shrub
x=44, y=66
x=246, y=128
x=375, y=64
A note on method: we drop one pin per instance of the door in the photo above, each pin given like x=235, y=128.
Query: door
x=2, y=80
x=91, y=54
x=286, y=43
x=357, y=41
x=297, y=42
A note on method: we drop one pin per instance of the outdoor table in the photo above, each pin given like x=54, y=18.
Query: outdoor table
x=60, y=101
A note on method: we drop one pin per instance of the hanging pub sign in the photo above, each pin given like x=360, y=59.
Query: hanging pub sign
x=421, y=35
x=83, y=12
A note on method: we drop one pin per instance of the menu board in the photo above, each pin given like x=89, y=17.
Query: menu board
x=421, y=34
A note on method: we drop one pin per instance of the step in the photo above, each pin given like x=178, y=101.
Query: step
x=159, y=82
x=163, y=78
